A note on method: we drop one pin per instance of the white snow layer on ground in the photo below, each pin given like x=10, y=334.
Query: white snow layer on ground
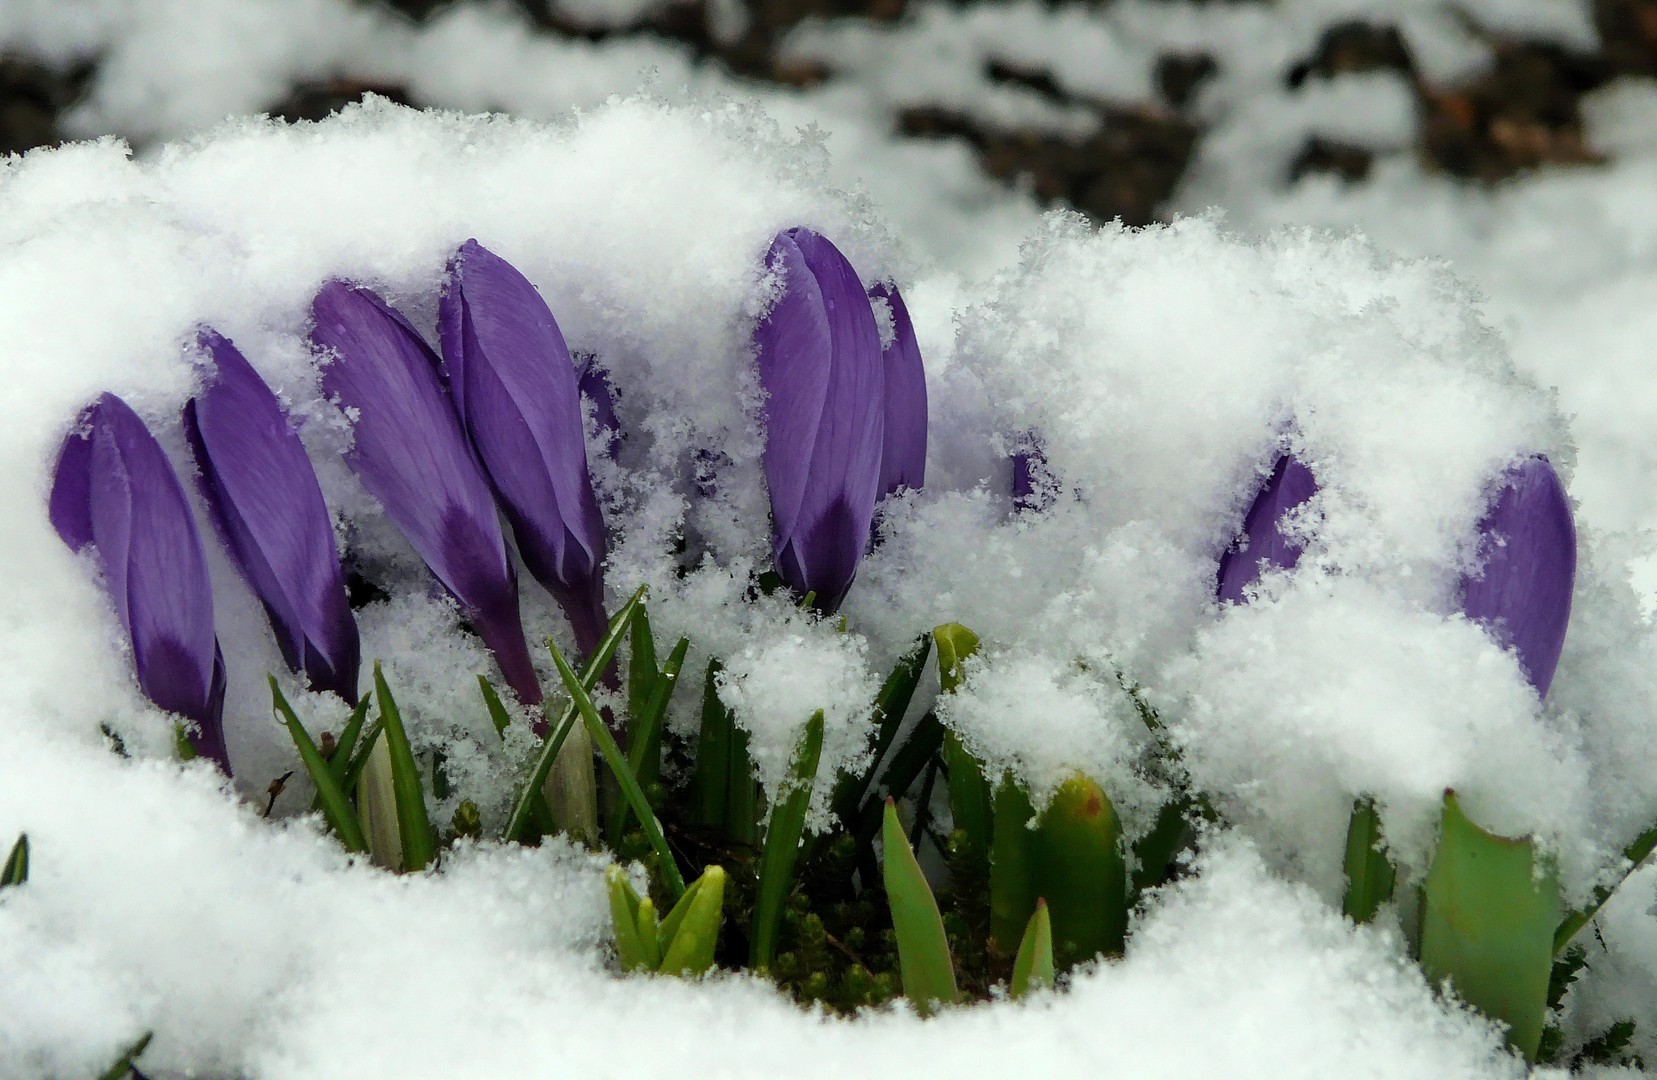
x=1162, y=370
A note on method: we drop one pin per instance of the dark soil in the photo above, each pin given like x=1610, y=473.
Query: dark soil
x=1522, y=114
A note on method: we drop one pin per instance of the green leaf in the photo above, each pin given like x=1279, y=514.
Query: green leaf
x=742, y=798
x=359, y=762
x=1636, y=853
x=690, y=932
x=955, y=644
x=1076, y=862
x=1369, y=875
x=890, y=706
x=710, y=779
x=1012, y=892
x=1488, y=920
x=528, y=797
x=497, y=708
x=624, y=919
x=924, y=962
x=336, y=807
x=650, y=934
x=419, y=846
x=782, y=842
x=611, y=753
x=908, y=761
x=1033, y=967
x=644, y=756
x=15, y=871
x=641, y=669
x=122, y=1068
x=1155, y=851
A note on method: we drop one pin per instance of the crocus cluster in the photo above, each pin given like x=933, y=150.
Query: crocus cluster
x=1521, y=593
x=449, y=442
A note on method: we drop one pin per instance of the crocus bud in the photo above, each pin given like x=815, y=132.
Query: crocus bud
x=115, y=489
x=903, y=455
x=411, y=455
x=1264, y=545
x=821, y=368
x=264, y=499
x=1528, y=548
x=515, y=388
x=1031, y=486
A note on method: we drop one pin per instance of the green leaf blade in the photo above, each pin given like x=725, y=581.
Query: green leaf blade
x=1488, y=921
x=336, y=806
x=782, y=842
x=15, y=870
x=924, y=961
x=1033, y=967
x=413, y=826
x=1369, y=875
x=690, y=933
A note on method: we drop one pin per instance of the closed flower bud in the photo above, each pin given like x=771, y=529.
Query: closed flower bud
x=821, y=368
x=265, y=501
x=1264, y=544
x=1527, y=546
x=411, y=455
x=115, y=489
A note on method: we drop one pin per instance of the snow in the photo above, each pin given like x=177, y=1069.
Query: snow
x=1163, y=370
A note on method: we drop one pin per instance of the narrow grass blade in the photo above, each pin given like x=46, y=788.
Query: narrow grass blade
x=1488, y=920
x=927, y=970
x=1076, y=862
x=524, y=803
x=890, y=706
x=1012, y=892
x=497, y=708
x=123, y=1064
x=611, y=753
x=1369, y=875
x=646, y=725
x=641, y=668
x=359, y=762
x=710, y=779
x=1636, y=853
x=340, y=762
x=1033, y=967
x=782, y=843
x=419, y=846
x=742, y=800
x=624, y=919
x=16, y=868
x=336, y=807
x=690, y=932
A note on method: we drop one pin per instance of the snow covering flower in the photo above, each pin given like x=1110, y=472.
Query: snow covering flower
x=515, y=387
x=264, y=499
x=903, y=455
x=1523, y=594
x=412, y=455
x=1264, y=544
x=821, y=367
x=595, y=388
x=1030, y=493
x=115, y=489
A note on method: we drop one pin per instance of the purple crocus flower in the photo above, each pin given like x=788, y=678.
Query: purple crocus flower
x=1263, y=544
x=266, y=503
x=515, y=387
x=903, y=456
x=1528, y=546
x=114, y=488
x=412, y=455
x=1029, y=463
x=820, y=365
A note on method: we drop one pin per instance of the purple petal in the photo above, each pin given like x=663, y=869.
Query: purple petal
x=1030, y=463
x=515, y=387
x=821, y=368
x=903, y=457
x=70, y=505
x=412, y=456
x=155, y=570
x=1528, y=545
x=268, y=508
x=1263, y=544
